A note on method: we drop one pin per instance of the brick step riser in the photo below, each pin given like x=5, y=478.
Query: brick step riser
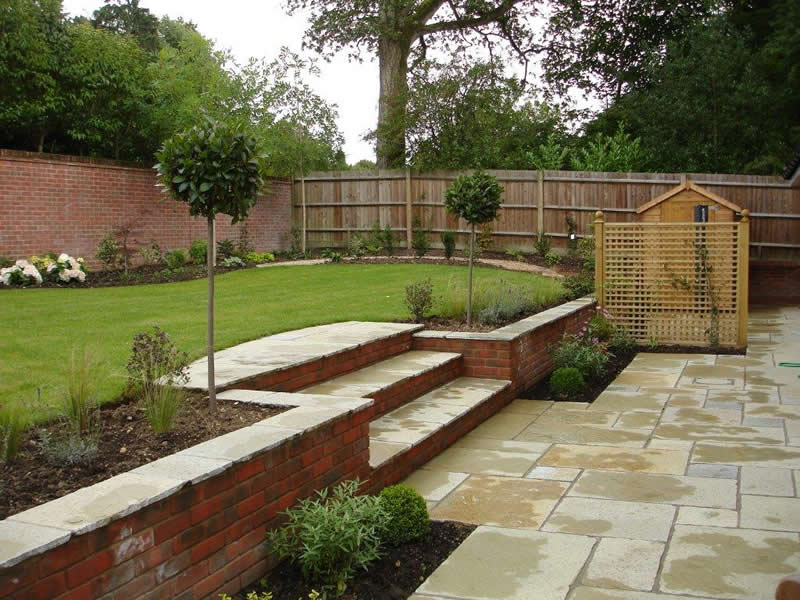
x=317, y=371
x=403, y=464
x=412, y=388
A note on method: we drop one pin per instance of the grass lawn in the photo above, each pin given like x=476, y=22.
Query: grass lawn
x=44, y=325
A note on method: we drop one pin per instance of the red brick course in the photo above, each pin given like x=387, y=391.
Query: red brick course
x=67, y=204
x=774, y=282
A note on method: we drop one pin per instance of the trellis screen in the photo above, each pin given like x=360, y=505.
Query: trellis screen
x=675, y=283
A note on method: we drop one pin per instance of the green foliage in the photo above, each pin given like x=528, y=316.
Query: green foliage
x=586, y=251
x=476, y=198
x=233, y=262
x=551, y=258
x=600, y=327
x=6, y=261
x=567, y=382
x=126, y=17
x=156, y=363
x=448, y=243
x=225, y=249
x=214, y=168
x=356, y=244
x=590, y=357
x=579, y=285
x=622, y=341
x=13, y=423
x=199, y=252
x=78, y=404
x=375, y=239
x=333, y=256
x=108, y=251
x=498, y=299
x=420, y=241
x=162, y=406
x=42, y=262
x=506, y=302
x=551, y=155
x=175, y=259
x=260, y=257
x=516, y=254
x=419, y=298
x=332, y=536
x=407, y=515
x=617, y=152
x=542, y=244
x=388, y=240
x=69, y=449
x=152, y=255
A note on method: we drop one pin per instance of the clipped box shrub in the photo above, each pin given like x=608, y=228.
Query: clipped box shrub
x=567, y=381
x=407, y=514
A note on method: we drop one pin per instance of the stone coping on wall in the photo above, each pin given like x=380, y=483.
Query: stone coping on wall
x=275, y=353
x=516, y=329
x=44, y=527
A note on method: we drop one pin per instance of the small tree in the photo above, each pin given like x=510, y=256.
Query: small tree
x=477, y=199
x=215, y=168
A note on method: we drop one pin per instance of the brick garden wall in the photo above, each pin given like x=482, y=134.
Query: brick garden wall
x=774, y=282
x=67, y=204
x=205, y=539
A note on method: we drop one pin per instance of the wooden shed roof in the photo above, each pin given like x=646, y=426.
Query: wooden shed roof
x=688, y=185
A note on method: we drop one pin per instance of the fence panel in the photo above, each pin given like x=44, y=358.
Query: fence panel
x=675, y=283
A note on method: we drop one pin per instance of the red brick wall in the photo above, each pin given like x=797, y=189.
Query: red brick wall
x=66, y=204
x=206, y=539
x=774, y=282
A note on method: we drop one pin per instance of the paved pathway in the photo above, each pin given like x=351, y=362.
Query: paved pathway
x=680, y=481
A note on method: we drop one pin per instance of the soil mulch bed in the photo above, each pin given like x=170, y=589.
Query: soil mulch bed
x=394, y=576
x=126, y=441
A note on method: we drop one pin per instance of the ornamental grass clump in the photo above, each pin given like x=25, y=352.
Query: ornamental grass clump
x=156, y=370
x=13, y=423
x=332, y=536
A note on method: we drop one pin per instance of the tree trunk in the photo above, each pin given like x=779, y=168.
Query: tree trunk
x=212, y=390
x=469, y=282
x=40, y=145
x=392, y=103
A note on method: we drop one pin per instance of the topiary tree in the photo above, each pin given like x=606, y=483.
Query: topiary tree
x=215, y=168
x=477, y=199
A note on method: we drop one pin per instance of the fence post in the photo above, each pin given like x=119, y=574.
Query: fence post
x=409, y=218
x=303, y=202
x=599, y=270
x=743, y=276
x=540, y=204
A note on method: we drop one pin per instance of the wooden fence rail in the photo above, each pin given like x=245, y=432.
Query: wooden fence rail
x=329, y=206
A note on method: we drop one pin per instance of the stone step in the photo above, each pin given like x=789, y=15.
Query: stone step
x=394, y=381
x=409, y=436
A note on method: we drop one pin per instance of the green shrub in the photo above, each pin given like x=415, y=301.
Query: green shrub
x=622, y=341
x=600, y=327
x=233, y=262
x=357, y=245
x=586, y=252
x=506, y=298
x=516, y=254
x=199, y=252
x=588, y=357
x=375, y=240
x=542, y=245
x=175, y=258
x=567, y=381
x=419, y=239
x=70, y=449
x=419, y=298
x=579, y=285
x=449, y=243
x=507, y=301
x=259, y=257
x=42, y=262
x=108, y=251
x=551, y=258
x=152, y=255
x=407, y=514
x=225, y=249
x=332, y=255
x=332, y=536
x=13, y=423
x=388, y=240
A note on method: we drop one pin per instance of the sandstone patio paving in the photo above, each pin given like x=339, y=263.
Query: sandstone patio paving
x=705, y=505
x=511, y=564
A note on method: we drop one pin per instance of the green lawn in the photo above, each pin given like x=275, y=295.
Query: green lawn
x=42, y=326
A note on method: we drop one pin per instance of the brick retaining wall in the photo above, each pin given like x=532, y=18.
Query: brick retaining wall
x=775, y=282
x=67, y=204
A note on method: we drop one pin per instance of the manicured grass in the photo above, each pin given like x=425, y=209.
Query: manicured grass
x=42, y=326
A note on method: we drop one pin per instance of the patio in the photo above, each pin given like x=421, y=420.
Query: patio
x=680, y=481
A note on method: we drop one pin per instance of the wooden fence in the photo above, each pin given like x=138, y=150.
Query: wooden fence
x=329, y=206
x=675, y=283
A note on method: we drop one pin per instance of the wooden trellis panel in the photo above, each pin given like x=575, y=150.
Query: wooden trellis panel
x=675, y=283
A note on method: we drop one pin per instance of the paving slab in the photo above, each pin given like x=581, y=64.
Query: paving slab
x=528, y=407
x=583, y=434
x=750, y=455
x=609, y=458
x=380, y=452
x=768, y=512
x=624, y=401
x=401, y=431
x=501, y=501
x=714, y=471
x=592, y=593
x=510, y=564
x=578, y=417
x=720, y=433
x=485, y=462
x=735, y=564
x=554, y=473
x=702, y=416
x=711, y=517
x=661, y=489
x=624, y=564
x=612, y=518
x=637, y=420
x=504, y=425
x=767, y=482
x=435, y=485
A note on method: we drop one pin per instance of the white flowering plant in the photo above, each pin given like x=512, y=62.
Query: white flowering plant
x=20, y=273
x=67, y=269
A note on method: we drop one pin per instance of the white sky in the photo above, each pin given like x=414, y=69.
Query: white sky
x=250, y=28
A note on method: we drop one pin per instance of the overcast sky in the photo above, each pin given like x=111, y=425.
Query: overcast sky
x=259, y=29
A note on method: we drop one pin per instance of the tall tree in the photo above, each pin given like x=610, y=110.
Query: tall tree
x=395, y=29
x=128, y=18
